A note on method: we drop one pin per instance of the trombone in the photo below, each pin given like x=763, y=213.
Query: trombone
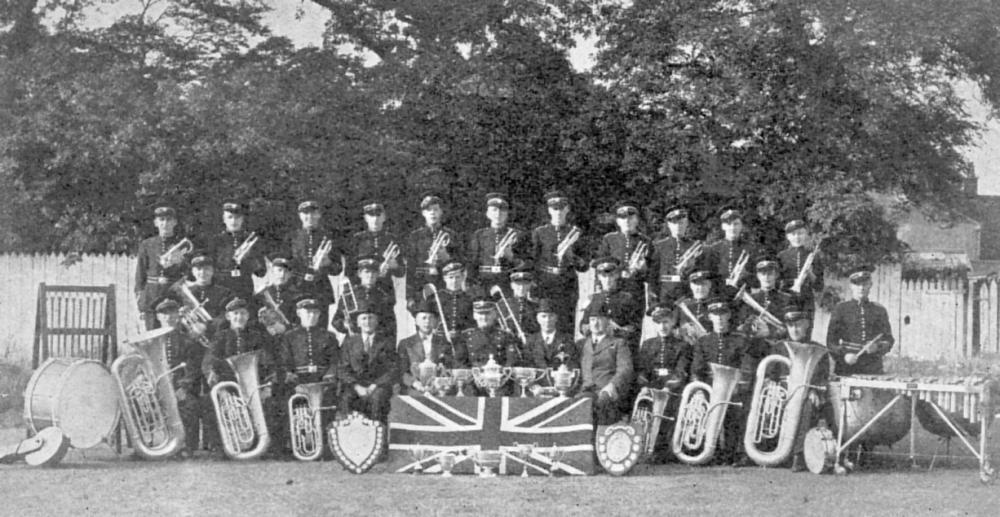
x=737, y=272
x=241, y=252
x=507, y=320
x=689, y=255
x=176, y=253
x=428, y=291
x=566, y=243
x=322, y=252
x=505, y=244
x=441, y=240
x=391, y=253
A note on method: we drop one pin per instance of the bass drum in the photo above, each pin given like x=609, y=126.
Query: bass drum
x=820, y=450
x=862, y=405
x=79, y=396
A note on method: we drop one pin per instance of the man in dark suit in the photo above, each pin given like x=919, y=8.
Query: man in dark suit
x=605, y=367
x=854, y=325
x=550, y=347
x=427, y=343
x=368, y=368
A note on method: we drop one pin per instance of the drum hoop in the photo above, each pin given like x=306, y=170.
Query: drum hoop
x=29, y=389
x=71, y=363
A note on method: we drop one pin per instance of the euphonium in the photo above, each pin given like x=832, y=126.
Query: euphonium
x=305, y=422
x=647, y=411
x=146, y=391
x=699, y=420
x=775, y=409
x=239, y=411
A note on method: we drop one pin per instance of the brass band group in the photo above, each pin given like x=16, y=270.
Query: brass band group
x=731, y=361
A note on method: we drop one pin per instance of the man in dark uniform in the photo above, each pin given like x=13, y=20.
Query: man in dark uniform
x=201, y=294
x=369, y=368
x=624, y=307
x=550, y=346
x=770, y=298
x=496, y=249
x=307, y=245
x=236, y=275
x=556, y=252
x=488, y=339
x=522, y=305
x=367, y=293
x=376, y=241
x=456, y=303
x=663, y=363
x=724, y=255
x=155, y=270
x=674, y=256
x=728, y=348
x=605, y=367
x=427, y=343
x=309, y=352
x=423, y=259
x=277, y=299
x=695, y=306
x=856, y=323
x=632, y=249
x=793, y=259
x=193, y=404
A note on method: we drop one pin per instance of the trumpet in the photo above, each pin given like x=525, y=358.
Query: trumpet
x=566, y=243
x=391, y=253
x=638, y=256
x=737, y=272
x=430, y=290
x=762, y=313
x=507, y=320
x=807, y=264
x=689, y=255
x=241, y=252
x=348, y=304
x=322, y=253
x=505, y=244
x=441, y=240
x=176, y=253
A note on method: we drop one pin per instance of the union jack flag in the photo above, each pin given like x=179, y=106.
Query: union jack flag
x=534, y=435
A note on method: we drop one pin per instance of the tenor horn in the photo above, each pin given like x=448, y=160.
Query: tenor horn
x=507, y=319
x=701, y=414
x=239, y=411
x=762, y=313
x=305, y=422
x=146, y=392
x=776, y=407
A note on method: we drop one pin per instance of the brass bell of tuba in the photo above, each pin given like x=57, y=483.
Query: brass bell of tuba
x=305, y=422
x=776, y=407
x=700, y=417
x=146, y=393
x=239, y=411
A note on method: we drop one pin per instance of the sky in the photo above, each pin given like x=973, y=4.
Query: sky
x=303, y=22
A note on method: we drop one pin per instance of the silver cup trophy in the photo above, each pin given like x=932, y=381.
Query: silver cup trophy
x=524, y=451
x=563, y=378
x=426, y=371
x=491, y=376
x=461, y=376
x=447, y=462
x=525, y=377
x=486, y=461
x=443, y=384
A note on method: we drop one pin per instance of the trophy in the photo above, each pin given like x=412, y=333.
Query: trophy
x=447, y=462
x=563, y=378
x=486, y=461
x=526, y=377
x=461, y=376
x=443, y=384
x=491, y=376
x=555, y=454
x=524, y=451
x=425, y=372
x=419, y=454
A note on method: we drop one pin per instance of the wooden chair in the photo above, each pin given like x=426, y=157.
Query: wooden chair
x=75, y=321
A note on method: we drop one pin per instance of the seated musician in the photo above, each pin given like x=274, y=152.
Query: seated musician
x=455, y=302
x=623, y=306
x=367, y=292
x=700, y=282
x=859, y=333
x=309, y=352
x=194, y=406
x=769, y=298
x=278, y=296
x=200, y=289
x=427, y=343
x=549, y=347
x=663, y=363
x=605, y=367
x=488, y=339
x=368, y=368
x=799, y=326
x=726, y=347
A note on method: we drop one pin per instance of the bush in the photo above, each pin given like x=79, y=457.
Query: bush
x=13, y=380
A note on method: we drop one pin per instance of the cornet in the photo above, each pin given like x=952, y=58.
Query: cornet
x=689, y=255
x=505, y=244
x=441, y=240
x=807, y=264
x=241, y=252
x=507, y=320
x=738, y=268
x=391, y=253
x=636, y=259
x=566, y=243
x=325, y=246
x=176, y=253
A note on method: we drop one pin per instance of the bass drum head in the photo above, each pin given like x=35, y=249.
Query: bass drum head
x=87, y=404
x=357, y=442
x=618, y=447
x=820, y=450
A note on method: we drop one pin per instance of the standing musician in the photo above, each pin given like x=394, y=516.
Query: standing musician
x=605, y=367
x=427, y=343
x=728, y=348
x=428, y=248
x=375, y=240
x=314, y=255
x=701, y=284
x=799, y=328
x=551, y=347
x=237, y=253
x=522, y=305
x=732, y=251
x=675, y=256
x=632, y=249
x=556, y=253
x=369, y=368
x=160, y=263
x=624, y=307
x=793, y=260
x=368, y=293
x=496, y=249
x=859, y=333
x=202, y=296
x=277, y=299
x=309, y=352
x=195, y=406
x=456, y=304
x=663, y=363
x=767, y=296
x=487, y=338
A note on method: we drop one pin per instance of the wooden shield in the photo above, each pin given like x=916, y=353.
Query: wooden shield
x=619, y=447
x=356, y=442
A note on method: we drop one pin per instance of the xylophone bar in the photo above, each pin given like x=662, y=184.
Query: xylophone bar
x=958, y=396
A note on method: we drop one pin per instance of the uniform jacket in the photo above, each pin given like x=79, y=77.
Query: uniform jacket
x=730, y=349
x=483, y=245
x=856, y=321
x=302, y=347
x=621, y=247
x=504, y=347
x=667, y=352
x=148, y=268
x=368, y=243
x=545, y=241
x=792, y=260
x=418, y=244
x=229, y=342
x=723, y=255
x=303, y=245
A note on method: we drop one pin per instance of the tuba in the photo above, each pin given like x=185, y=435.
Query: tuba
x=775, y=409
x=239, y=411
x=305, y=422
x=699, y=419
x=147, y=396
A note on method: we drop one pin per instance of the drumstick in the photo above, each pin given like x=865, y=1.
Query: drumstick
x=853, y=358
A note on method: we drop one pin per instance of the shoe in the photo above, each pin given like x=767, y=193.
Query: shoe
x=798, y=462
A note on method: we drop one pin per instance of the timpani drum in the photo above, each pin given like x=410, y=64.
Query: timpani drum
x=861, y=406
x=77, y=395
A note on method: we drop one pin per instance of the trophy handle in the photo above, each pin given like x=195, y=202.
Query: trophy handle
x=539, y=375
x=506, y=372
x=576, y=377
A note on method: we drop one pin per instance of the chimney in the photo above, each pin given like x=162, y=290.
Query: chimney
x=970, y=186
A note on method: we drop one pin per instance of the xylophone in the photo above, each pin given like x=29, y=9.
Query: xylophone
x=969, y=398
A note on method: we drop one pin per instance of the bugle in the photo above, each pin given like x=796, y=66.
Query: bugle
x=239, y=411
x=507, y=319
x=762, y=313
x=776, y=406
x=176, y=253
x=441, y=240
x=305, y=421
x=148, y=399
x=701, y=414
x=241, y=251
x=390, y=254
x=566, y=243
x=506, y=243
x=737, y=272
x=428, y=291
x=689, y=256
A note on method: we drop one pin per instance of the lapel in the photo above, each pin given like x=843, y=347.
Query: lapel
x=600, y=346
